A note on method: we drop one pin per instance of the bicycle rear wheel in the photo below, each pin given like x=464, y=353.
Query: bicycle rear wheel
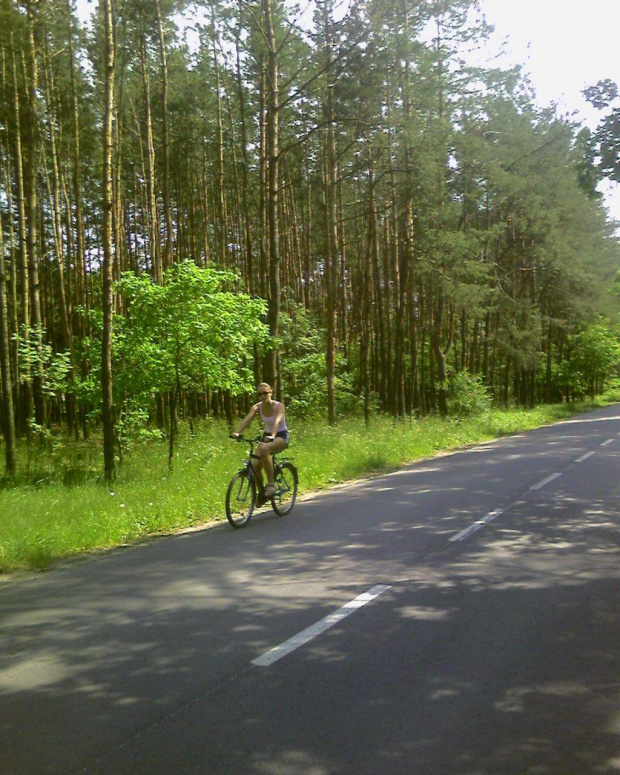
x=286, y=489
x=240, y=499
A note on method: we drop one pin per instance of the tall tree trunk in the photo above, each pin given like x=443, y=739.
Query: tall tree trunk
x=153, y=227
x=81, y=298
x=262, y=272
x=273, y=238
x=27, y=408
x=222, y=226
x=13, y=325
x=439, y=307
x=55, y=199
x=119, y=228
x=8, y=417
x=80, y=259
x=331, y=254
x=548, y=372
x=403, y=234
x=388, y=281
x=164, y=138
x=21, y=200
x=414, y=338
x=439, y=352
x=245, y=187
x=382, y=362
x=32, y=147
x=106, y=349
x=365, y=295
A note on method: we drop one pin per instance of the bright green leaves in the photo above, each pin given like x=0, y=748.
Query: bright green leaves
x=37, y=359
x=595, y=352
x=192, y=332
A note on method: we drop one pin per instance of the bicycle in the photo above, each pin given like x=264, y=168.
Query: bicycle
x=244, y=492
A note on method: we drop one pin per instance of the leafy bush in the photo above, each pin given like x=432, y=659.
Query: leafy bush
x=467, y=396
x=595, y=354
x=612, y=394
x=591, y=360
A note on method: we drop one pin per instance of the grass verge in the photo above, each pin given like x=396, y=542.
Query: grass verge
x=64, y=510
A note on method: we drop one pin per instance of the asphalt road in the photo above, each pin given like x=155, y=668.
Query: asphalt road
x=459, y=617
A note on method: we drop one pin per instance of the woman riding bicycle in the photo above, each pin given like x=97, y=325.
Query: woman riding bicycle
x=275, y=438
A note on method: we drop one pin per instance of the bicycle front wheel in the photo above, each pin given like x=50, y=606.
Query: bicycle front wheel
x=240, y=499
x=286, y=489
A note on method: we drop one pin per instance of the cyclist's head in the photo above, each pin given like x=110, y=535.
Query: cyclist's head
x=264, y=389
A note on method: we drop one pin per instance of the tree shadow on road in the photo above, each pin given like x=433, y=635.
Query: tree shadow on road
x=506, y=658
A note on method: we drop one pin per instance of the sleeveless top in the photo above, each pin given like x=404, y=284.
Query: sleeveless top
x=268, y=422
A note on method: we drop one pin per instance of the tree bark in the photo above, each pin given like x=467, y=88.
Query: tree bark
x=153, y=227
x=80, y=261
x=8, y=417
x=165, y=192
x=55, y=198
x=331, y=254
x=106, y=350
x=31, y=170
x=222, y=226
x=272, y=151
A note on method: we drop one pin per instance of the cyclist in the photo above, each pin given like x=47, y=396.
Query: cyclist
x=275, y=437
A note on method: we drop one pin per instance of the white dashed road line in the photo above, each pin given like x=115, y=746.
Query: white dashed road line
x=269, y=657
x=477, y=525
x=538, y=486
x=305, y=636
x=545, y=481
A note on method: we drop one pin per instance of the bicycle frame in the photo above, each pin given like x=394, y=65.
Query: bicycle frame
x=241, y=499
x=247, y=464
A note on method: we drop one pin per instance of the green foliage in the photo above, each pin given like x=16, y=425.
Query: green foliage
x=595, y=354
x=86, y=385
x=586, y=163
x=133, y=423
x=479, y=199
x=304, y=370
x=189, y=333
x=612, y=392
x=467, y=395
x=193, y=333
x=590, y=365
x=37, y=359
x=604, y=96
x=564, y=382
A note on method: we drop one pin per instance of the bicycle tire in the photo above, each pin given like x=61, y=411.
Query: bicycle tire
x=286, y=489
x=240, y=499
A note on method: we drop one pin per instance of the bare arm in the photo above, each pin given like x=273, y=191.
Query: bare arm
x=246, y=420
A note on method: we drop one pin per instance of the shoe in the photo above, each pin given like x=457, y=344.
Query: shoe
x=270, y=491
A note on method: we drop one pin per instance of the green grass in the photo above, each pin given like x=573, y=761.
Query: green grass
x=61, y=508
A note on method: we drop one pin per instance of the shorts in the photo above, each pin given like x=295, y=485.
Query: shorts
x=280, y=435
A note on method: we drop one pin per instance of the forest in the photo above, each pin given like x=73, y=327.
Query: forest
x=197, y=196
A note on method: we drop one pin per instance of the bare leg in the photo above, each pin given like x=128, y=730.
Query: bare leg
x=268, y=466
x=267, y=450
x=257, y=465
